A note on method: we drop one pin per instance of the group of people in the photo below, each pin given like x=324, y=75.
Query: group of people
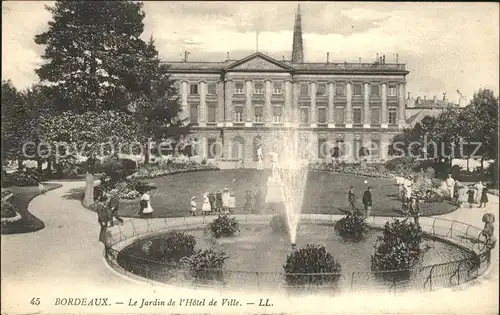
x=472, y=194
x=221, y=202
x=409, y=202
x=366, y=200
x=107, y=206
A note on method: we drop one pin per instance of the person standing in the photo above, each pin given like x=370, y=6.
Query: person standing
x=103, y=219
x=484, y=197
x=205, y=208
x=479, y=191
x=450, y=185
x=211, y=199
x=470, y=194
x=401, y=188
x=367, y=201
x=414, y=209
x=225, y=201
x=351, y=198
x=113, y=205
x=218, y=201
x=232, y=202
x=146, y=209
x=193, y=206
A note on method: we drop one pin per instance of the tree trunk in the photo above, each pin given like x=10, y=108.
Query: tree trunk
x=88, y=198
x=49, y=166
x=146, y=157
x=20, y=165
x=39, y=165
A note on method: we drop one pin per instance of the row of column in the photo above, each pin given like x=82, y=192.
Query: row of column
x=291, y=96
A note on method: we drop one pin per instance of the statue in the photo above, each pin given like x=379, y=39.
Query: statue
x=260, y=158
x=274, y=164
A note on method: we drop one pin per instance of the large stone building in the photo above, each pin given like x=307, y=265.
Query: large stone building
x=339, y=109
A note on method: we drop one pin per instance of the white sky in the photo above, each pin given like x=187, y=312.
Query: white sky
x=446, y=46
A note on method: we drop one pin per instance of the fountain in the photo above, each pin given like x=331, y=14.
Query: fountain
x=287, y=182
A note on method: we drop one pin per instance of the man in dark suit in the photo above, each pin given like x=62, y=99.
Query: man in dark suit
x=352, y=199
x=367, y=201
x=113, y=204
x=103, y=218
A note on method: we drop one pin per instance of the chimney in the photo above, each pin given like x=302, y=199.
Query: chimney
x=397, y=58
x=434, y=99
x=444, y=96
x=409, y=95
x=383, y=60
x=359, y=59
x=283, y=57
x=377, y=57
x=327, y=57
x=227, y=55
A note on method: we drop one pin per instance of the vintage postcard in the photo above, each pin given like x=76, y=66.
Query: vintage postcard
x=190, y=157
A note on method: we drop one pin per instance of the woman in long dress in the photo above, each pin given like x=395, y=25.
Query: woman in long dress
x=205, y=208
x=225, y=201
x=146, y=209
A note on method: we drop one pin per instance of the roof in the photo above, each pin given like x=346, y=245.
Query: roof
x=268, y=63
x=429, y=103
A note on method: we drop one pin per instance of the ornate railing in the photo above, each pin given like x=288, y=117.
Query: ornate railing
x=420, y=278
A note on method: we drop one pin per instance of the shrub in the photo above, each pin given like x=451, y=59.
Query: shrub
x=67, y=166
x=29, y=177
x=8, y=210
x=392, y=164
x=278, y=224
x=205, y=264
x=399, y=247
x=224, y=226
x=172, y=246
x=352, y=227
x=311, y=259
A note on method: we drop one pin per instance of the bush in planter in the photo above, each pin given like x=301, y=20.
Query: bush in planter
x=399, y=247
x=311, y=259
x=278, y=224
x=205, y=264
x=172, y=246
x=352, y=227
x=224, y=226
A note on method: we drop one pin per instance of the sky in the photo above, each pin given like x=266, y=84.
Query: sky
x=446, y=46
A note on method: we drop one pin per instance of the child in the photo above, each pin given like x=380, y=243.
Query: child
x=218, y=201
x=225, y=201
x=146, y=209
x=484, y=197
x=193, y=206
x=205, y=208
x=211, y=199
x=462, y=195
x=470, y=194
x=232, y=202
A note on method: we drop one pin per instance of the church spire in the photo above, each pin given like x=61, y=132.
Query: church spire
x=297, y=48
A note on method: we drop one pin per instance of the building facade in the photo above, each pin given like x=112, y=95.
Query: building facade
x=344, y=110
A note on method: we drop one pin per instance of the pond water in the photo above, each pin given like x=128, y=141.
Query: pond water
x=257, y=255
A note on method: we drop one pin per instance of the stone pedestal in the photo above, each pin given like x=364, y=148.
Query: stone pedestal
x=274, y=190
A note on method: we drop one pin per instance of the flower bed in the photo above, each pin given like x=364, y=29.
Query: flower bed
x=352, y=169
x=153, y=171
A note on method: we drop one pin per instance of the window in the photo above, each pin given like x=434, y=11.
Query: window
x=375, y=90
x=193, y=114
x=338, y=150
x=357, y=145
x=304, y=89
x=211, y=110
x=375, y=149
x=392, y=115
x=358, y=89
x=322, y=115
x=392, y=90
x=212, y=148
x=375, y=115
x=322, y=148
x=258, y=112
x=193, y=89
x=277, y=88
x=238, y=88
x=357, y=115
x=304, y=115
x=339, y=115
x=212, y=88
x=277, y=111
x=321, y=89
x=258, y=88
x=340, y=90
x=238, y=113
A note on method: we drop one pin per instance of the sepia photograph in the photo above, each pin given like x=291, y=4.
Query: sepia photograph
x=249, y=157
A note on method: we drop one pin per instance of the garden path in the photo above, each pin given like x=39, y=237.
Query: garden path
x=65, y=259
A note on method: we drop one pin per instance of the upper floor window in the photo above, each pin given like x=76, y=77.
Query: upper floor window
x=277, y=88
x=357, y=89
x=211, y=112
x=375, y=115
x=322, y=115
x=340, y=90
x=193, y=89
x=238, y=113
x=375, y=90
x=238, y=88
x=258, y=112
x=258, y=88
x=212, y=88
x=304, y=115
x=277, y=111
x=393, y=115
x=321, y=89
x=339, y=115
x=193, y=113
x=357, y=115
x=392, y=91
x=304, y=89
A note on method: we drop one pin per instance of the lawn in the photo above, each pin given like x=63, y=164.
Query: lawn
x=325, y=193
x=21, y=198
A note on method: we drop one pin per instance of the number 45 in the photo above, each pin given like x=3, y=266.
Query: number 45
x=35, y=301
